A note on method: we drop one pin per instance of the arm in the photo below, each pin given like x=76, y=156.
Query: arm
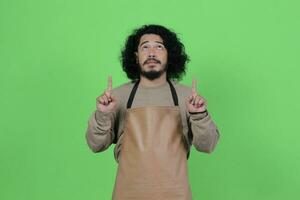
x=100, y=131
x=205, y=132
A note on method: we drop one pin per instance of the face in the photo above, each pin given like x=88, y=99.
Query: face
x=152, y=56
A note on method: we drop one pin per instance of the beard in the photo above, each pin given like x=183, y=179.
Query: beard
x=151, y=75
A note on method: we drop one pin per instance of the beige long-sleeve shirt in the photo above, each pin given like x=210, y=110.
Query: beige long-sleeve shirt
x=105, y=129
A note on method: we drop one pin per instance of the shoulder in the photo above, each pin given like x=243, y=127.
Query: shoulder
x=122, y=92
x=124, y=87
x=181, y=89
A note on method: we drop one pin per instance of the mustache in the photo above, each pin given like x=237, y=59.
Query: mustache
x=151, y=59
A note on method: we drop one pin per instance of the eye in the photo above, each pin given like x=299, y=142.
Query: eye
x=145, y=47
x=160, y=47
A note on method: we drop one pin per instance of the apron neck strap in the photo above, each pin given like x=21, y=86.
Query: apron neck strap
x=134, y=89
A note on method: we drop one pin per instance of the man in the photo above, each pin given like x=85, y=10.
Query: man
x=153, y=120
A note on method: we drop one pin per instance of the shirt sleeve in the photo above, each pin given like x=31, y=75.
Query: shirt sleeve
x=205, y=133
x=100, y=132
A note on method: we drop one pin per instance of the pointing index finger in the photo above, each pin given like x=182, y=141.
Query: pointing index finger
x=109, y=85
x=194, y=87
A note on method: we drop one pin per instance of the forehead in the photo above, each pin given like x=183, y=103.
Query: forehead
x=150, y=38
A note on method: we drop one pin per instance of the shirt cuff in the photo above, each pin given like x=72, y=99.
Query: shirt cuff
x=102, y=117
x=198, y=115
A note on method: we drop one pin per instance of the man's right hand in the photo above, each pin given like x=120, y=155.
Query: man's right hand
x=106, y=102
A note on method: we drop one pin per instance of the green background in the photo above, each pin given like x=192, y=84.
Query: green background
x=55, y=57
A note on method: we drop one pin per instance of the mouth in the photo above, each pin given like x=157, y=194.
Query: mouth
x=152, y=62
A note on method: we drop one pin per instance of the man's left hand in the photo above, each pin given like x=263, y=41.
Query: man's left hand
x=195, y=103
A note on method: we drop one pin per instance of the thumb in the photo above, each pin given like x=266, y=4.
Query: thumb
x=113, y=98
x=189, y=99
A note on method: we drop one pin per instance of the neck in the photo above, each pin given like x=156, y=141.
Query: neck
x=153, y=83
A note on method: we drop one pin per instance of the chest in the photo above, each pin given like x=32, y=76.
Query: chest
x=153, y=98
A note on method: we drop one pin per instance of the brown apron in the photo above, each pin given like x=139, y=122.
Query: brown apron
x=153, y=156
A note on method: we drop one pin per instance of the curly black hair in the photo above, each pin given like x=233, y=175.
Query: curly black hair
x=177, y=58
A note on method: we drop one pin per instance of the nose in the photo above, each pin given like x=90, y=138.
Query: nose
x=152, y=53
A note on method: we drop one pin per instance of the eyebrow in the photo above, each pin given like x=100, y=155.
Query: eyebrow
x=154, y=41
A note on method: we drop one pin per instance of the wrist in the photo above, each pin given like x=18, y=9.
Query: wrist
x=198, y=115
x=101, y=116
x=193, y=113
